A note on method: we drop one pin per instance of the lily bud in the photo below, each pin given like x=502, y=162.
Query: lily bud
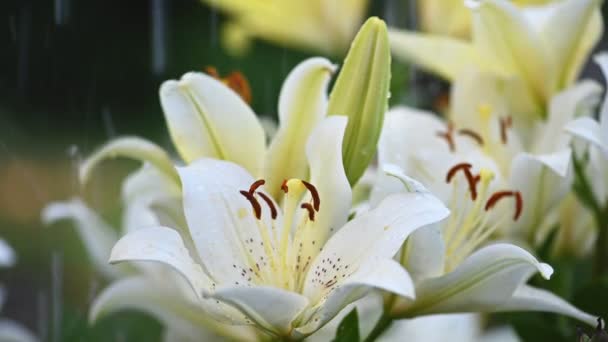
x=361, y=92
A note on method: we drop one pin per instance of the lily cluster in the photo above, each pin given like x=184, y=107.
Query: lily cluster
x=244, y=239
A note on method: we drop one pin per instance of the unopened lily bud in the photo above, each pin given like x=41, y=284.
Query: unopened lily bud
x=361, y=92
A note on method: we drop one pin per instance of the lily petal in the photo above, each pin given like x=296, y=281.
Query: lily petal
x=528, y=298
x=542, y=181
x=578, y=100
x=271, y=308
x=483, y=282
x=590, y=130
x=377, y=234
x=221, y=221
x=447, y=57
x=208, y=119
x=163, y=303
x=130, y=147
x=163, y=245
x=324, y=152
x=7, y=255
x=570, y=32
x=148, y=182
x=502, y=33
x=384, y=274
x=11, y=331
x=423, y=254
x=98, y=237
x=436, y=328
x=302, y=104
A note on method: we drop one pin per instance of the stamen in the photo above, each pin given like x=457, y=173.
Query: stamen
x=273, y=209
x=256, y=185
x=519, y=203
x=316, y=200
x=456, y=168
x=257, y=208
x=471, y=180
x=448, y=136
x=284, y=186
x=471, y=134
x=505, y=124
x=311, y=212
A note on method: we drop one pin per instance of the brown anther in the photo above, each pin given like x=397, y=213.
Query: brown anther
x=311, y=211
x=471, y=180
x=471, y=134
x=505, y=124
x=273, y=209
x=497, y=196
x=256, y=185
x=449, y=137
x=257, y=208
x=316, y=200
x=235, y=81
x=284, y=186
x=456, y=168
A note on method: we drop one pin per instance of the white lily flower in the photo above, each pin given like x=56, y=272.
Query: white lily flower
x=537, y=51
x=150, y=199
x=288, y=269
x=323, y=26
x=11, y=331
x=453, y=269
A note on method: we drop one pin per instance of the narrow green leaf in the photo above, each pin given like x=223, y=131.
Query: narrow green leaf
x=361, y=92
x=348, y=330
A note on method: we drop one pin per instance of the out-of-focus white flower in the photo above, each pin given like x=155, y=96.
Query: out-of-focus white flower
x=592, y=131
x=452, y=17
x=318, y=25
x=11, y=331
x=290, y=269
x=536, y=51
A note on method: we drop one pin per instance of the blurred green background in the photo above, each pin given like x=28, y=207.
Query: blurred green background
x=74, y=74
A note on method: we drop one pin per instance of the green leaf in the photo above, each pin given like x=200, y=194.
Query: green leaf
x=348, y=330
x=361, y=92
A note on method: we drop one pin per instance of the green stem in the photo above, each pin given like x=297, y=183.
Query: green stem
x=584, y=192
x=601, y=245
x=381, y=326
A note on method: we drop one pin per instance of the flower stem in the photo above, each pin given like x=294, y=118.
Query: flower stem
x=584, y=191
x=381, y=326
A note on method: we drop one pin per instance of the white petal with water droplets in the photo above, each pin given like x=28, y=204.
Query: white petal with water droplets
x=222, y=222
x=208, y=119
x=378, y=233
x=384, y=274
